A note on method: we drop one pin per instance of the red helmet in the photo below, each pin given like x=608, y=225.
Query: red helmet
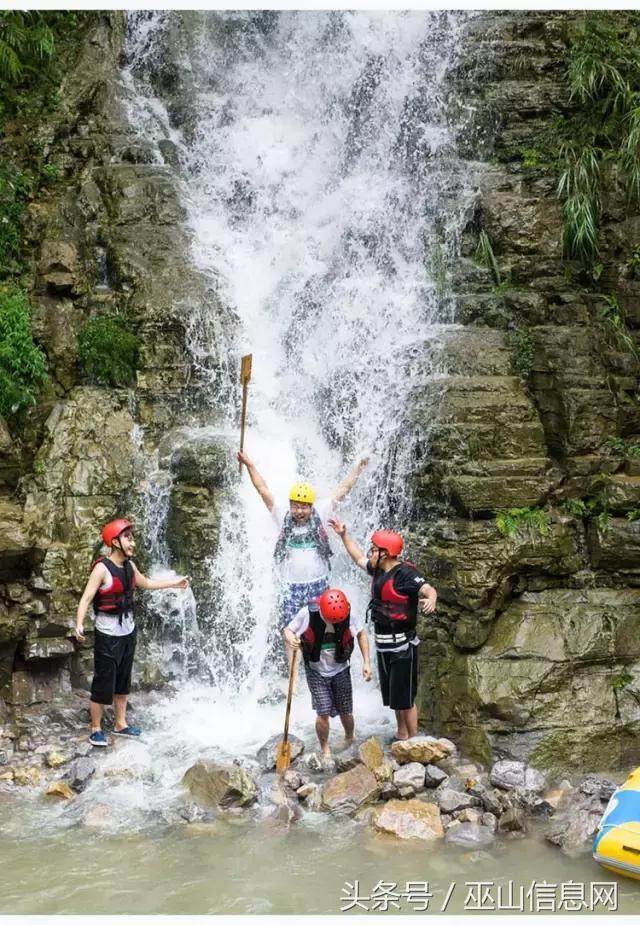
x=113, y=530
x=388, y=540
x=334, y=605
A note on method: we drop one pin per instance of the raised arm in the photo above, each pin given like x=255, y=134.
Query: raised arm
x=350, y=545
x=258, y=482
x=349, y=480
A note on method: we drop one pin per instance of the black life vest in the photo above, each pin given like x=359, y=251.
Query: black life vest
x=315, y=535
x=391, y=611
x=311, y=639
x=118, y=599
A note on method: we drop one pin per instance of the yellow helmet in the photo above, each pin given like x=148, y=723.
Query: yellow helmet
x=302, y=492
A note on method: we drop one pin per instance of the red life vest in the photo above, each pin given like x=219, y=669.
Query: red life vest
x=311, y=639
x=391, y=611
x=118, y=599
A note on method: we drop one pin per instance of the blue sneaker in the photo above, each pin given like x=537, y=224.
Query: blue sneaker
x=129, y=732
x=98, y=738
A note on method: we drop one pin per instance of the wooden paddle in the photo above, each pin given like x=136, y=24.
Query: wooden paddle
x=283, y=754
x=245, y=376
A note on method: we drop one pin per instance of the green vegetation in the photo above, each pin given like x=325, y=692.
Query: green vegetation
x=516, y=519
x=603, y=73
x=616, y=323
x=108, y=350
x=23, y=366
x=523, y=352
x=15, y=187
x=485, y=257
x=622, y=680
x=25, y=41
x=618, y=446
x=633, y=515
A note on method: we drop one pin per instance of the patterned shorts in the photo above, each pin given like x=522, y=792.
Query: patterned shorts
x=294, y=597
x=330, y=696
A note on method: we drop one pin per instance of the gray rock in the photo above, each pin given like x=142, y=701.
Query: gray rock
x=268, y=752
x=489, y=820
x=79, y=773
x=410, y=775
x=389, y=791
x=535, y=780
x=451, y=800
x=347, y=759
x=513, y=822
x=508, y=774
x=469, y=835
x=600, y=787
x=434, y=776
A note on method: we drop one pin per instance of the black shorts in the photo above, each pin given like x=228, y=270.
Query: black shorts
x=112, y=665
x=398, y=674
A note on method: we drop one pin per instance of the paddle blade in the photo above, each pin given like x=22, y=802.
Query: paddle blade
x=283, y=757
x=245, y=368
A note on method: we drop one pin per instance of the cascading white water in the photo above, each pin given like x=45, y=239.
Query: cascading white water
x=324, y=197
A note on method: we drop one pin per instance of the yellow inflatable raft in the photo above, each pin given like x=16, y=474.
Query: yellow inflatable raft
x=617, y=844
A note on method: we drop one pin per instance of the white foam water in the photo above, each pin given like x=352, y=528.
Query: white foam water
x=324, y=198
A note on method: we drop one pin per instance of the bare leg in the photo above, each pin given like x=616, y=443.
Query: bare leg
x=322, y=731
x=120, y=710
x=96, y=710
x=407, y=722
x=347, y=723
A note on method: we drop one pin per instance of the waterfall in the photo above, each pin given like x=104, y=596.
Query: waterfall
x=324, y=199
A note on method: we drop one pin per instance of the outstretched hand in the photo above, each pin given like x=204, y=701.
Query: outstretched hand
x=243, y=459
x=183, y=583
x=362, y=464
x=337, y=526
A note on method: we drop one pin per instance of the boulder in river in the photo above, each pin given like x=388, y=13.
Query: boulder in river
x=268, y=752
x=220, y=785
x=347, y=792
x=469, y=835
x=409, y=819
x=425, y=749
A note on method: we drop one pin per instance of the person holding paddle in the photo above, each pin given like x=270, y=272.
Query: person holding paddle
x=325, y=631
x=302, y=550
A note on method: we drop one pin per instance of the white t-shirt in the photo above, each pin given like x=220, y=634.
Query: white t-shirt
x=326, y=664
x=111, y=625
x=303, y=563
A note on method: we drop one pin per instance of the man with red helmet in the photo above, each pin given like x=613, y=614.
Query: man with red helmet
x=398, y=591
x=111, y=587
x=324, y=630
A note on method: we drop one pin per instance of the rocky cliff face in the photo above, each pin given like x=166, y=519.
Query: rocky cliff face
x=109, y=238
x=534, y=651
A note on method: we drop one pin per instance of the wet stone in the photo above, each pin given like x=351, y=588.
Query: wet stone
x=410, y=775
x=267, y=754
x=434, y=776
x=409, y=819
x=79, y=773
x=469, y=835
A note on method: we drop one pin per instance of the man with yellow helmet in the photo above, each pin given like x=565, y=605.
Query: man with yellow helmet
x=302, y=550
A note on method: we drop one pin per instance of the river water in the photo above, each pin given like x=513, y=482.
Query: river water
x=324, y=198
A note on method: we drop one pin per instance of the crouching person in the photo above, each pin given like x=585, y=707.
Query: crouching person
x=324, y=630
x=111, y=588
